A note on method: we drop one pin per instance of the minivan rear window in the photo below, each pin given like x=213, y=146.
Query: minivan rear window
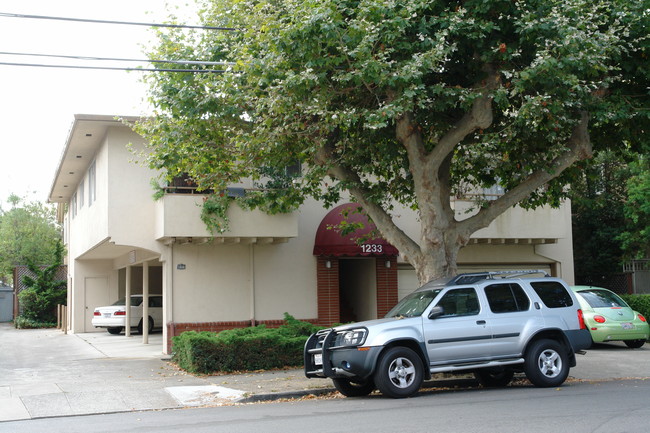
x=552, y=294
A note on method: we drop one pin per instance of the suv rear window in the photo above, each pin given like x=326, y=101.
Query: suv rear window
x=552, y=294
x=506, y=298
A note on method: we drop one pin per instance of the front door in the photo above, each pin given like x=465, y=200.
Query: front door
x=96, y=295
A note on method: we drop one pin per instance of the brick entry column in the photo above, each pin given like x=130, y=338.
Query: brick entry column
x=328, y=290
x=386, y=284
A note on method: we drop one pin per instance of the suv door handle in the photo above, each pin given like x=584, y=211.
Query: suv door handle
x=481, y=322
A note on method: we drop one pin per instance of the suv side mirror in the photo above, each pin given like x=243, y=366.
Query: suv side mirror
x=436, y=312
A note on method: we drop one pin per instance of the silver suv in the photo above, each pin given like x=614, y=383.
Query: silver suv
x=491, y=324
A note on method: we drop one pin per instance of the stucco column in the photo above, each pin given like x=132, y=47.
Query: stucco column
x=145, y=303
x=127, y=328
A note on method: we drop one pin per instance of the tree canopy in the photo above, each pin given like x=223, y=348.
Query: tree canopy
x=402, y=103
x=28, y=234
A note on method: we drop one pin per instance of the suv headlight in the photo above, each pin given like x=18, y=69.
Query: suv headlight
x=354, y=337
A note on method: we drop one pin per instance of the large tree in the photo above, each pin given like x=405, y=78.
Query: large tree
x=29, y=233
x=401, y=103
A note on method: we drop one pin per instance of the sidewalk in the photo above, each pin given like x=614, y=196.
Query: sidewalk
x=45, y=373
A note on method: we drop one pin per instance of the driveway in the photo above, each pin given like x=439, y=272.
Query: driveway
x=45, y=373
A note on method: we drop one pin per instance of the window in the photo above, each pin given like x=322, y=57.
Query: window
x=294, y=170
x=552, y=294
x=156, y=301
x=92, y=184
x=507, y=298
x=602, y=299
x=73, y=205
x=459, y=302
x=81, y=193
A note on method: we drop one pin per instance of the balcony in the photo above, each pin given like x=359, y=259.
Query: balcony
x=178, y=220
x=544, y=225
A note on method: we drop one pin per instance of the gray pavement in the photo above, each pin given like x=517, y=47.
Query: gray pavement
x=46, y=373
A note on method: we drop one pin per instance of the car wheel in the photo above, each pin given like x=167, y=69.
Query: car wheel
x=494, y=377
x=546, y=363
x=399, y=372
x=350, y=388
x=115, y=330
x=634, y=344
x=150, y=326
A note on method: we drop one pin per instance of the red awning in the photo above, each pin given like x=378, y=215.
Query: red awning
x=329, y=241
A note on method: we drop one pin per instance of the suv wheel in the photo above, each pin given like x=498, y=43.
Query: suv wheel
x=494, y=377
x=354, y=389
x=546, y=363
x=399, y=372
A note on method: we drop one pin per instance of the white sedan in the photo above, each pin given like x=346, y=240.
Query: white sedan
x=113, y=317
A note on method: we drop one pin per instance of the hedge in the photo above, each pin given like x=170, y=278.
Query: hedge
x=640, y=303
x=254, y=348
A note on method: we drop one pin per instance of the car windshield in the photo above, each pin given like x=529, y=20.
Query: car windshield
x=602, y=299
x=135, y=301
x=413, y=304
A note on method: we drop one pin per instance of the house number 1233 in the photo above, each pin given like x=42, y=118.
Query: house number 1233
x=372, y=248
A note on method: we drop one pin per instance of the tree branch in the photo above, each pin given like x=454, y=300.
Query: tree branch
x=479, y=117
x=578, y=148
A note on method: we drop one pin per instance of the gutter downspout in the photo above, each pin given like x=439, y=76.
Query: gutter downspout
x=252, y=283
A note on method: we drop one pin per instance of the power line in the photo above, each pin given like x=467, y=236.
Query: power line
x=112, y=59
x=128, y=23
x=114, y=68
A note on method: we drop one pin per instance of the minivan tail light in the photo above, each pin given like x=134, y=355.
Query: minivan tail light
x=581, y=319
x=120, y=313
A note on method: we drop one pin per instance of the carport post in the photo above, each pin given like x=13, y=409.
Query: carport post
x=127, y=327
x=145, y=303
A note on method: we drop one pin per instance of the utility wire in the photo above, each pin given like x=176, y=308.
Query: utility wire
x=129, y=23
x=174, y=62
x=116, y=68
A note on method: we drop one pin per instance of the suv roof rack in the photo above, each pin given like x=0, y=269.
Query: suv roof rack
x=473, y=277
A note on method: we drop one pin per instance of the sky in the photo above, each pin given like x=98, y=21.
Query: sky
x=37, y=105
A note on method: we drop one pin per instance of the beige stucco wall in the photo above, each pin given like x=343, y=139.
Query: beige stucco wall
x=131, y=206
x=245, y=279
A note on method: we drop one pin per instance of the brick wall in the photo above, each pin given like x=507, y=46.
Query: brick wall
x=328, y=291
x=386, y=285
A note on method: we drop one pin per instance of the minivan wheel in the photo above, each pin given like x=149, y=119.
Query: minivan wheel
x=494, y=377
x=546, y=363
x=399, y=372
x=350, y=388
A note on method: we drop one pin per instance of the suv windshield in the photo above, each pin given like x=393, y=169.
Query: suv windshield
x=413, y=304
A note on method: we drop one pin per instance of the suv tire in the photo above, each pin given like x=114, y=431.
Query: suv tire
x=354, y=389
x=546, y=363
x=399, y=372
x=494, y=377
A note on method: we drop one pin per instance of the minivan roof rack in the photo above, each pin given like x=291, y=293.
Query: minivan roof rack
x=473, y=277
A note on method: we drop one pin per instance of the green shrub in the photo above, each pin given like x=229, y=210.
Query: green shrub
x=254, y=348
x=22, y=322
x=640, y=303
